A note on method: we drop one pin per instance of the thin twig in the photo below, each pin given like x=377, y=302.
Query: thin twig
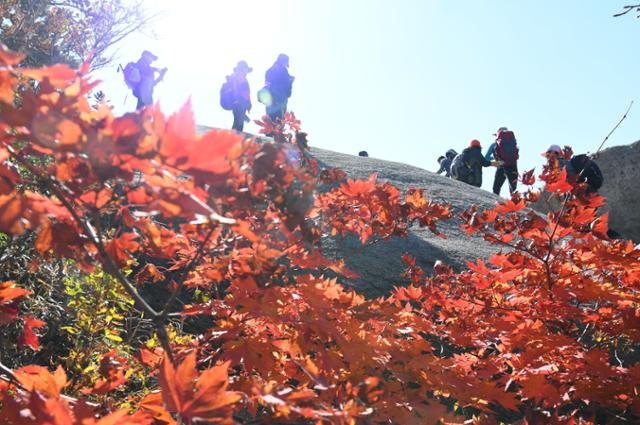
x=614, y=128
x=627, y=10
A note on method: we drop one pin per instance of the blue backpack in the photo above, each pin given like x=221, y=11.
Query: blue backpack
x=227, y=96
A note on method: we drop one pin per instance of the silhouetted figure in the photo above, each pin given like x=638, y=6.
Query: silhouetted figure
x=143, y=91
x=506, y=151
x=364, y=154
x=236, y=94
x=467, y=166
x=279, y=84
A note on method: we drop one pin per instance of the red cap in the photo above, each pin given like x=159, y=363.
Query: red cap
x=475, y=143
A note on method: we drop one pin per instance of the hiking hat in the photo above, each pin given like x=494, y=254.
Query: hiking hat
x=150, y=55
x=243, y=66
x=475, y=143
x=500, y=130
x=553, y=148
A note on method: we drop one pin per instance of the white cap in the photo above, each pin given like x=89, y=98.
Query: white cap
x=553, y=148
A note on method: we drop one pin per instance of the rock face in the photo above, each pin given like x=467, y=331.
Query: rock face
x=621, y=171
x=620, y=166
x=380, y=265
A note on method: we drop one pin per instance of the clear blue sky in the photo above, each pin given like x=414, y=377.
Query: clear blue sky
x=408, y=79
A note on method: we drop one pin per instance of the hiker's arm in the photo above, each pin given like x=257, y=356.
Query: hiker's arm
x=490, y=152
x=484, y=161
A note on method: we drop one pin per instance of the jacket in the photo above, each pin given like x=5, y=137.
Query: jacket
x=467, y=166
x=279, y=82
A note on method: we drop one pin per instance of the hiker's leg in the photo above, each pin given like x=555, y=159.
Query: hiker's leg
x=145, y=91
x=277, y=110
x=272, y=112
x=238, y=119
x=498, y=180
x=140, y=104
x=512, y=174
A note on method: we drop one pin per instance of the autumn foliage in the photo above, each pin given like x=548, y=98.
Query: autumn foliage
x=216, y=243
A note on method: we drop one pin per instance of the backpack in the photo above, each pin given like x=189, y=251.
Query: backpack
x=507, y=148
x=459, y=169
x=588, y=170
x=227, y=96
x=132, y=75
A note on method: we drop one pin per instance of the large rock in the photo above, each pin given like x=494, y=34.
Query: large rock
x=620, y=166
x=380, y=265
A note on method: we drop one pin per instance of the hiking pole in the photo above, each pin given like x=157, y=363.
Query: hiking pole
x=614, y=129
x=126, y=96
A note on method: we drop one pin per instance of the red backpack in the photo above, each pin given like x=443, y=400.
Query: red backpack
x=507, y=148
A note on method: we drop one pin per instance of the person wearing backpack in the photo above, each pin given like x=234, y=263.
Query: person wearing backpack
x=278, y=83
x=583, y=169
x=506, y=151
x=235, y=95
x=445, y=162
x=141, y=78
x=467, y=166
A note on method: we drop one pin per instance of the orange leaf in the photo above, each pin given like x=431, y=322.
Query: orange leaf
x=207, y=400
x=120, y=248
x=10, y=296
x=8, y=58
x=29, y=337
x=38, y=378
x=58, y=75
x=600, y=226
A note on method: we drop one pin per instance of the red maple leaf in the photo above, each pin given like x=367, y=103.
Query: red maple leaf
x=528, y=178
x=196, y=397
x=29, y=337
x=10, y=296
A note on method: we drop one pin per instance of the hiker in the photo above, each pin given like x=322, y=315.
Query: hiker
x=363, y=154
x=555, y=158
x=279, y=84
x=143, y=90
x=235, y=95
x=445, y=162
x=467, y=166
x=506, y=151
x=583, y=169
x=445, y=166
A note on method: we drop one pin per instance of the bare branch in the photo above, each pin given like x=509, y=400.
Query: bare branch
x=628, y=9
x=614, y=128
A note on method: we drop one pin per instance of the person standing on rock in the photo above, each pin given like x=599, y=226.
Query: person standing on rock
x=239, y=94
x=445, y=162
x=467, y=166
x=147, y=77
x=506, y=151
x=278, y=85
